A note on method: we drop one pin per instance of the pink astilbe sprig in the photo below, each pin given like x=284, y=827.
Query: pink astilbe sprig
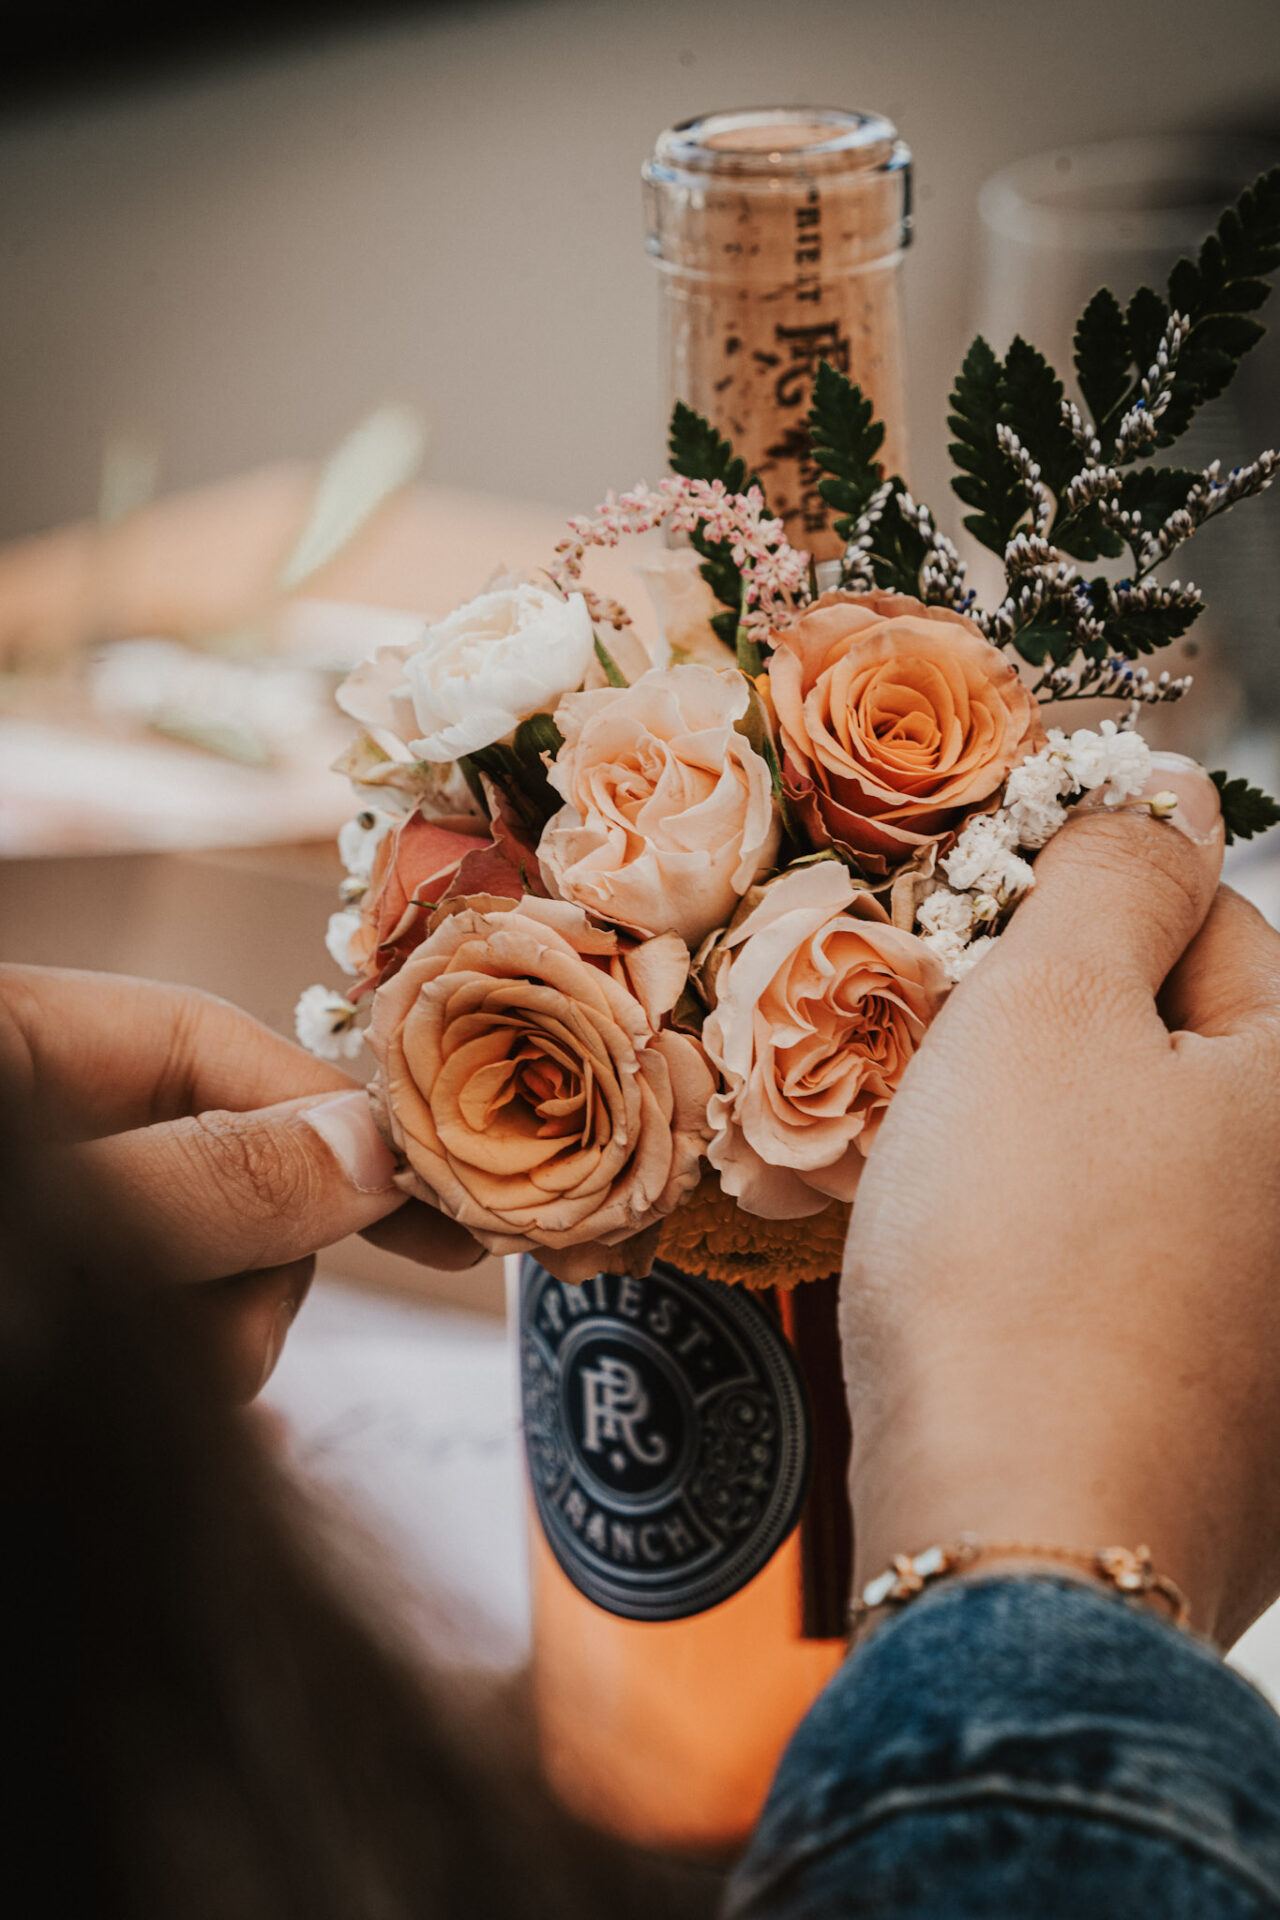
x=774, y=573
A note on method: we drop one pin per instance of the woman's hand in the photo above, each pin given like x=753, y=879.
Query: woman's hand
x=237, y=1153
x=1061, y=1307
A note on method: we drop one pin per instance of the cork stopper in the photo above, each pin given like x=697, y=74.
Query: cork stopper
x=779, y=232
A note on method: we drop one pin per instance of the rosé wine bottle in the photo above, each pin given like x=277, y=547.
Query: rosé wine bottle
x=687, y=1440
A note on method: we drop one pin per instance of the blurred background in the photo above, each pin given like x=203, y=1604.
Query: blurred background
x=230, y=238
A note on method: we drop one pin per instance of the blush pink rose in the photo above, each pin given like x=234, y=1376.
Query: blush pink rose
x=897, y=720
x=669, y=814
x=525, y=1077
x=819, y=1005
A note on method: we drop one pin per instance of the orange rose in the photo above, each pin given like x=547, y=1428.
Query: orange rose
x=819, y=1006
x=897, y=720
x=524, y=1074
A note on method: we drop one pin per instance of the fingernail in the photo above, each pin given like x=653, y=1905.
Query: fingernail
x=1198, y=813
x=1177, y=790
x=346, y=1125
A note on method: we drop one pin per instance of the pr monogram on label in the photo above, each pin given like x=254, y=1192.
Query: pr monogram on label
x=666, y=1433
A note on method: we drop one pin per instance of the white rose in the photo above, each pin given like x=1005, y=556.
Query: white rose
x=477, y=674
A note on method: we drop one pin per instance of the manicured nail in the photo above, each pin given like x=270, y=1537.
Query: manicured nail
x=1198, y=812
x=346, y=1125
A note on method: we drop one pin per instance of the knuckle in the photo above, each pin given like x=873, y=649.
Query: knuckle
x=253, y=1162
x=1054, y=989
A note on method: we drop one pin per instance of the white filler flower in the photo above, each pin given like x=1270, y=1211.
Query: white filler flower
x=325, y=1023
x=492, y=663
x=343, y=928
x=359, y=840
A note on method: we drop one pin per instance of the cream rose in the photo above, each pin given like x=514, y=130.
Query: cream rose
x=524, y=1075
x=818, y=1009
x=471, y=678
x=896, y=719
x=669, y=815
x=503, y=656
x=685, y=606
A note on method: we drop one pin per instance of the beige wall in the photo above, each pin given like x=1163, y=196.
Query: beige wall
x=242, y=262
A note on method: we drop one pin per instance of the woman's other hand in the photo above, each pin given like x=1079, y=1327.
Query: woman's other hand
x=1061, y=1307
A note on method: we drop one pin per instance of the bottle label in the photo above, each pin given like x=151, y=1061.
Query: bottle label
x=667, y=1436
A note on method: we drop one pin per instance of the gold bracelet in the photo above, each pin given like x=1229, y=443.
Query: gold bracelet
x=1127, y=1569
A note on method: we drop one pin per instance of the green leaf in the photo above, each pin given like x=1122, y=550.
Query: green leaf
x=539, y=734
x=1102, y=356
x=846, y=438
x=1154, y=493
x=1246, y=810
x=725, y=626
x=1135, y=628
x=986, y=479
x=1216, y=292
x=1031, y=403
x=1046, y=639
x=612, y=671
x=699, y=452
x=1147, y=318
x=750, y=655
x=518, y=773
x=898, y=548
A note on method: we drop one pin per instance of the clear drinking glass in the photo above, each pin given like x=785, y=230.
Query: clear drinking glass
x=1054, y=228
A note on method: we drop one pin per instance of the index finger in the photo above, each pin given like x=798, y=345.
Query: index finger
x=100, y=1053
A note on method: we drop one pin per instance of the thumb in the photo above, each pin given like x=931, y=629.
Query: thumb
x=223, y=1193
x=1121, y=891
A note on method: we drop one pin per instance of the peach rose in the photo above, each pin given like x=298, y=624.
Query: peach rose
x=669, y=814
x=897, y=720
x=524, y=1075
x=819, y=1006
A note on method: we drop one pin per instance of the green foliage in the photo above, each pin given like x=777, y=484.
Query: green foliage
x=1102, y=356
x=1217, y=293
x=1031, y=396
x=898, y=548
x=846, y=438
x=699, y=452
x=612, y=671
x=1136, y=626
x=1046, y=638
x=518, y=771
x=1154, y=493
x=987, y=479
x=1246, y=810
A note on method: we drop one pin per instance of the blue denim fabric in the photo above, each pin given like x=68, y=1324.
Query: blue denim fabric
x=1018, y=1747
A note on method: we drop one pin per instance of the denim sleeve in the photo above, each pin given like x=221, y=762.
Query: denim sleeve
x=1023, y=1747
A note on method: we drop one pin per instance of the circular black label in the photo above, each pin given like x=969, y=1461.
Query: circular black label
x=667, y=1435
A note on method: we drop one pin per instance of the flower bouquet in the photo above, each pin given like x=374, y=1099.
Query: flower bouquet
x=648, y=942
